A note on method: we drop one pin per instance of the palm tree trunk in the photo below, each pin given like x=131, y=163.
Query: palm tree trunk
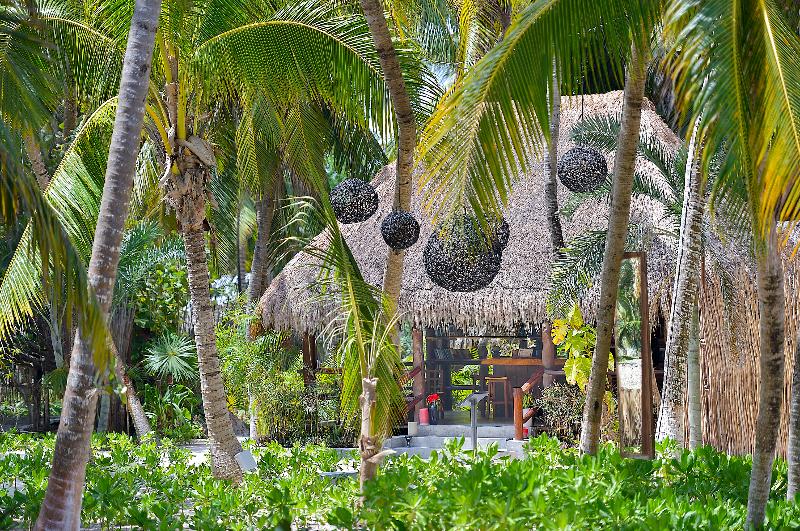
x=61, y=507
x=34, y=152
x=367, y=442
x=687, y=271
x=551, y=184
x=693, y=380
x=624, y=165
x=251, y=407
x=406, y=144
x=772, y=329
x=140, y=422
x=265, y=213
x=103, y=412
x=224, y=444
x=793, y=451
x=406, y=135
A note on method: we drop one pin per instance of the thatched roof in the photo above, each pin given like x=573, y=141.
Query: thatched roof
x=517, y=295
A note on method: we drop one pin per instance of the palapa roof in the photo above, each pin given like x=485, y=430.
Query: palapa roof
x=518, y=293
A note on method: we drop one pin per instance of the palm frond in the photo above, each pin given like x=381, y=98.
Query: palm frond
x=172, y=356
x=45, y=259
x=360, y=326
x=744, y=77
x=481, y=136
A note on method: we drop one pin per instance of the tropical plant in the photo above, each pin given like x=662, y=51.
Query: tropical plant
x=562, y=406
x=575, y=340
x=171, y=358
x=172, y=411
x=743, y=74
x=62, y=502
x=362, y=332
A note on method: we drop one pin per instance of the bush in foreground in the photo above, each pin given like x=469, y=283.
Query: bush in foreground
x=158, y=487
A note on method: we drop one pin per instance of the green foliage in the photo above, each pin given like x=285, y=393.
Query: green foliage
x=563, y=409
x=161, y=298
x=171, y=411
x=156, y=486
x=153, y=486
x=172, y=357
x=575, y=340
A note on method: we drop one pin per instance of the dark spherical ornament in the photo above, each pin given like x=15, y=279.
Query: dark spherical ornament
x=460, y=257
x=582, y=169
x=353, y=201
x=400, y=230
x=501, y=234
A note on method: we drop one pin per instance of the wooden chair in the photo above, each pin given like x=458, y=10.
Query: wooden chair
x=491, y=386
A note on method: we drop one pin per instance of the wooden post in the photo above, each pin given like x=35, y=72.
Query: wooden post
x=418, y=385
x=518, y=413
x=548, y=355
x=648, y=446
x=309, y=359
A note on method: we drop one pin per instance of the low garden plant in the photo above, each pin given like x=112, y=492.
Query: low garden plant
x=157, y=485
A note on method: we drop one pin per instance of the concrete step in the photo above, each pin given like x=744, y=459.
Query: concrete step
x=430, y=441
x=503, y=431
x=425, y=453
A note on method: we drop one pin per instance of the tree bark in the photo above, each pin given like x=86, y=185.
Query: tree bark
x=34, y=152
x=251, y=407
x=770, y=400
x=793, y=451
x=224, y=444
x=265, y=213
x=367, y=443
x=61, y=507
x=694, y=380
x=551, y=184
x=406, y=135
x=687, y=272
x=624, y=165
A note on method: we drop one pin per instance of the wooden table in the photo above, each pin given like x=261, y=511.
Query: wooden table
x=518, y=362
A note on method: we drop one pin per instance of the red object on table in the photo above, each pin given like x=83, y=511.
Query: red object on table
x=524, y=432
x=424, y=417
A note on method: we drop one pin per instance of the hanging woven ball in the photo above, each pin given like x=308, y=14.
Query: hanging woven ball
x=353, y=201
x=502, y=233
x=459, y=256
x=400, y=230
x=582, y=169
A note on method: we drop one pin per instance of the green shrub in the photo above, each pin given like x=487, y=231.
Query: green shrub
x=155, y=486
x=562, y=405
x=162, y=298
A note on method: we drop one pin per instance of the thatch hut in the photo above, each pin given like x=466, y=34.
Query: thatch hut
x=516, y=299
x=517, y=295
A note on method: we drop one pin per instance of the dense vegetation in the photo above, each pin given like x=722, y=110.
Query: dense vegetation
x=159, y=486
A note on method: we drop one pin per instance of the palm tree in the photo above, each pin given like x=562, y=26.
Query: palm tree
x=197, y=70
x=406, y=134
x=752, y=93
x=363, y=330
x=684, y=300
x=622, y=178
x=62, y=502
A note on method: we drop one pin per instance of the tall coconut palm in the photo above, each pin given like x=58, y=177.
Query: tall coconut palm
x=622, y=179
x=62, y=503
x=406, y=134
x=684, y=298
x=752, y=92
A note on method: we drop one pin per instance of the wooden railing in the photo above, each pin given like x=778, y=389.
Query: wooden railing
x=519, y=393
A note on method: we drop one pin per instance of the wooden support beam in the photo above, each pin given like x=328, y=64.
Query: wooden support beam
x=518, y=433
x=309, y=359
x=418, y=384
x=548, y=354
